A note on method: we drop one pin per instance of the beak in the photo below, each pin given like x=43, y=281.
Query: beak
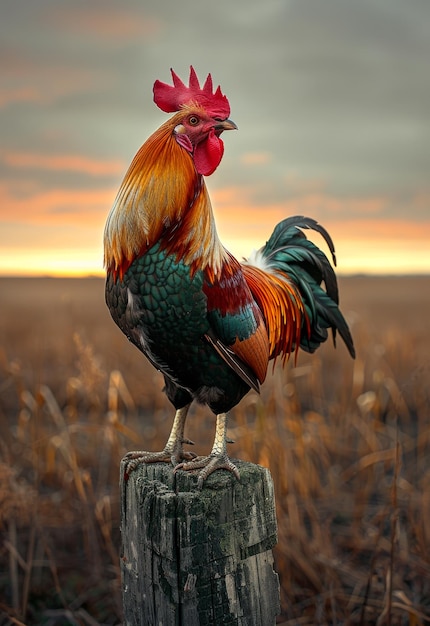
x=225, y=125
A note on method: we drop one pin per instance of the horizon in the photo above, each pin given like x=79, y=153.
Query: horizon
x=102, y=276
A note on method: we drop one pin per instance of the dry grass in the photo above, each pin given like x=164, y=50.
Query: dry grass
x=347, y=444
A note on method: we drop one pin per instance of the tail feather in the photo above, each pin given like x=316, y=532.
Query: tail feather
x=288, y=252
x=287, y=235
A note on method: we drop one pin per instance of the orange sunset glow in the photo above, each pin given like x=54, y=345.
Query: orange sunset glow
x=329, y=127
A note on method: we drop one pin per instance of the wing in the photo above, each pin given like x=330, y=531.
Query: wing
x=238, y=332
x=231, y=358
x=165, y=312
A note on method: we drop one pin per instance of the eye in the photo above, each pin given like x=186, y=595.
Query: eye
x=193, y=120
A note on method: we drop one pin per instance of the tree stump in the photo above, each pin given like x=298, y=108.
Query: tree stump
x=195, y=557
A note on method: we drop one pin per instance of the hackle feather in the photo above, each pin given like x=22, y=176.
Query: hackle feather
x=154, y=203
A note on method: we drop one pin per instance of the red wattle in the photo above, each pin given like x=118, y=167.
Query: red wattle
x=208, y=154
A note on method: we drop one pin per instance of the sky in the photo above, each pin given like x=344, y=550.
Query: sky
x=331, y=98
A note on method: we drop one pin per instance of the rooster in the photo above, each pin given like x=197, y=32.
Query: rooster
x=209, y=323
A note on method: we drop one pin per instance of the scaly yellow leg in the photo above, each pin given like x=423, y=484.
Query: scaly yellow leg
x=173, y=451
x=218, y=458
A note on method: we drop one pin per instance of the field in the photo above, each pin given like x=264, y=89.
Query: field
x=347, y=442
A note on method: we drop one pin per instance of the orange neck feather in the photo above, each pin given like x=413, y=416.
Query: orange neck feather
x=162, y=198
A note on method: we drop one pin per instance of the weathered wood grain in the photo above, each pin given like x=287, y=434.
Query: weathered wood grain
x=193, y=557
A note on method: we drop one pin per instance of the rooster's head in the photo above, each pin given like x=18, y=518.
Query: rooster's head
x=202, y=115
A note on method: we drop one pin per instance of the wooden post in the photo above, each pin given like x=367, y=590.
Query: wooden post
x=197, y=558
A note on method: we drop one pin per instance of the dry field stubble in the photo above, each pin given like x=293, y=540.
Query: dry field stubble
x=348, y=445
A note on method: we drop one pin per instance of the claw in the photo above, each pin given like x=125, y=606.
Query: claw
x=133, y=459
x=183, y=456
x=175, y=457
x=208, y=465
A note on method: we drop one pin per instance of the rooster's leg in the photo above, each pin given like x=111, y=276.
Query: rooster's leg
x=173, y=451
x=218, y=458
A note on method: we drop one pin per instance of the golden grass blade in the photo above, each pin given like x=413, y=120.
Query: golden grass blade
x=382, y=456
x=28, y=571
x=14, y=559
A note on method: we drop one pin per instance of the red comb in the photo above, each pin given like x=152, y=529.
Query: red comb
x=170, y=99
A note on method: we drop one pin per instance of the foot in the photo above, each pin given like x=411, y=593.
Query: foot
x=171, y=454
x=173, y=450
x=208, y=465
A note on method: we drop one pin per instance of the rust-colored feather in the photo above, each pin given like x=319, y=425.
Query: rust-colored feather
x=229, y=293
x=282, y=308
x=254, y=351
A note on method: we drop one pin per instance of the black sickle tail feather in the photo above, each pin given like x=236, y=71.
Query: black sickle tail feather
x=288, y=250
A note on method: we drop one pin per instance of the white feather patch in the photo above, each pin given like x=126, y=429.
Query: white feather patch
x=257, y=259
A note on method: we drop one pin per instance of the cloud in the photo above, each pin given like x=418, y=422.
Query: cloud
x=63, y=162
x=55, y=206
x=256, y=158
x=325, y=206
x=20, y=94
x=249, y=200
x=382, y=231
x=111, y=24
